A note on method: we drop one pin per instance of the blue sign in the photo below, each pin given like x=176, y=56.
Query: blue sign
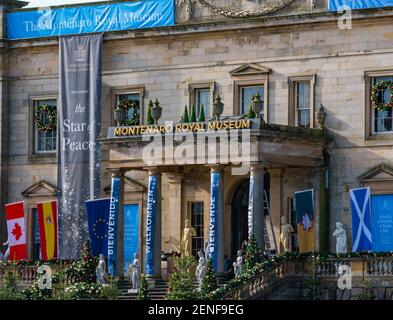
x=112, y=225
x=98, y=218
x=334, y=5
x=213, y=226
x=251, y=208
x=87, y=19
x=150, y=223
x=361, y=219
x=131, y=234
x=382, y=222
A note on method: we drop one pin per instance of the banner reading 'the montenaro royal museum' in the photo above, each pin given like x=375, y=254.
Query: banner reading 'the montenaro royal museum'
x=79, y=126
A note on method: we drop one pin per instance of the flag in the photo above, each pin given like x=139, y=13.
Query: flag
x=361, y=219
x=305, y=220
x=47, y=220
x=15, y=216
x=98, y=217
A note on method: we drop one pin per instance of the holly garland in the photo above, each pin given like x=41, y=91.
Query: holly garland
x=50, y=124
x=377, y=93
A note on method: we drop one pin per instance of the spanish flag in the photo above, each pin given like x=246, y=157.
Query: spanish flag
x=47, y=219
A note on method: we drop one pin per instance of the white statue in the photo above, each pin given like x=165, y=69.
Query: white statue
x=7, y=253
x=238, y=264
x=100, y=270
x=135, y=273
x=285, y=236
x=201, y=268
x=186, y=243
x=341, y=238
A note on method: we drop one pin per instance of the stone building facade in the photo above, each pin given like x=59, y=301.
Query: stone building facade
x=298, y=50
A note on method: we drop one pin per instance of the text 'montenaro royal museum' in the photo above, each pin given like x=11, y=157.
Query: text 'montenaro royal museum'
x=130, y=123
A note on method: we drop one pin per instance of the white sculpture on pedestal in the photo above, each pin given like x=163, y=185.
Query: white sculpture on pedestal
x=201, y=268
x=100, y=270
x=285, y=236
x=7, y=252
x=135, y=273
x=341, y=238
x=238, y=264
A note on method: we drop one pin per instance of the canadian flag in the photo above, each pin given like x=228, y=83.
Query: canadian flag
x=15, y=216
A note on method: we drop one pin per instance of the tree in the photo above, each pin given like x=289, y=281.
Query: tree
x=149, y=118
x=193, y=114
x=143, y=292
x=253, y=255
x=184, y=118
x=251, y=114
x=202, y=114
x=209, y=282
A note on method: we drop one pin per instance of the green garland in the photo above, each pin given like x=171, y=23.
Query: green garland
x=51, y=121
x=130, y=104
x=377, y=91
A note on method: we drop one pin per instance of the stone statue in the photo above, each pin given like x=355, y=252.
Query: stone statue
x=135, y=273
x=285, y=236
x=100, y=270
x=238, y=264
x=341, y=238
x=7, y=252
x=186, y=243
x=201, y=268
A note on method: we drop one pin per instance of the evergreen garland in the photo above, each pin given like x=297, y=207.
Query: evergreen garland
x=149, y=118
x=209, y=282
x=253, y=255
x=377, y=95
x=51, y=120
x=143, y=292
x=202, y=114
x=193, y=114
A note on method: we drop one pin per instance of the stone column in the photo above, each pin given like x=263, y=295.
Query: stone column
x=216, y=224
x=175, y=217
x=153, y=227
x=276, y=210
x=256, y=219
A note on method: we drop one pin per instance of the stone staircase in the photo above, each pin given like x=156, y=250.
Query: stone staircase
x=157, y=293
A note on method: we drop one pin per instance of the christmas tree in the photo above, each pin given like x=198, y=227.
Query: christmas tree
x=149, y=118
x=143, y=292
x=209, y=282
x=202, y=114
x=193, y=114
x=253, y=255
x=251, y=114
x=185, y=118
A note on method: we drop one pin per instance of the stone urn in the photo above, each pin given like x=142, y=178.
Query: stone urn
x=218, y=107
x=256, y=104
x=119, y=115
x=156, y=111
x=321, y=116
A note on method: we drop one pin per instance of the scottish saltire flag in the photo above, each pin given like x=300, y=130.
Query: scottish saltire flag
x=98, y=217
x=361, y=219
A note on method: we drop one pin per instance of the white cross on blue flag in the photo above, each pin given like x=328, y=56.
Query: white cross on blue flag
x=361, y=219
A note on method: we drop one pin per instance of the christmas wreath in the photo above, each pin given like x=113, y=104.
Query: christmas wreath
x=127, y=105
x=377, y=95
x=50, y=123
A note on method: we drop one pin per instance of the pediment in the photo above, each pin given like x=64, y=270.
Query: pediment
x=40, y=188
x=249, y=69
x=130, y=185
x=381, y=172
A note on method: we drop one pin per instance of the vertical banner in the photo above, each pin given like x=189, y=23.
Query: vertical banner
x=112, y=225
x=15, y=216
x=79, y=127
x=382, y=222
x=47, y=219
x=213, y=225
x=131, y=234
x=150, y=223
x=251, y=208
x=98, y=218
x=305, y=220
x=361, y=219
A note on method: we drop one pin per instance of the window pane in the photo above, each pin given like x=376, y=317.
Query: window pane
x=383, y=119
x=203, y=98
x=246, y=94
x=45, y=141
x=303, y=104
x=197, y=217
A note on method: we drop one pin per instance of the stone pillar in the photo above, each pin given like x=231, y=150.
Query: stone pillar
x=120, y=225
x=276, y=210
x=256, y=219
x=175, y=216
x=153, y=227
x=216, y=224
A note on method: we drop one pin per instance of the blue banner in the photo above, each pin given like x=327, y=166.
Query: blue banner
x=98, y=218
x=87, y=19
x=251, y=208
x=382, y=222
x=112, y=225
x=131, y=234
x=213, y=226
x=150, y=223
x=361, y=219
x=334, y=5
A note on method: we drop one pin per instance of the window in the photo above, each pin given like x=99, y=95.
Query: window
x=201, y=93
x=135, y=96
x=44, y=140
x=301, y=101
x=125, y=93
x=197, y=216
x=382, y=120
x=246, y=95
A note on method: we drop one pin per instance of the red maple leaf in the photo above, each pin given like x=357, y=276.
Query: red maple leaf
x=17, y=231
